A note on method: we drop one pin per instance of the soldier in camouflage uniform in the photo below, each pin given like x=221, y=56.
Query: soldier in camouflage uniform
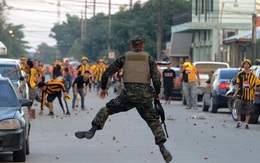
x=139, y=68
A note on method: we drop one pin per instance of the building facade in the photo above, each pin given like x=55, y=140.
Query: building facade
x=212, y=22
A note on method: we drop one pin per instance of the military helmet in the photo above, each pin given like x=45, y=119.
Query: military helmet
x=137, y=39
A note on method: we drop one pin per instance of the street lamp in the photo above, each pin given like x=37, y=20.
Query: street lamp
x=219, y=56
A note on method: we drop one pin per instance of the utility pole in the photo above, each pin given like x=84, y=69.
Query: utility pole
x=220, y=36
x=131, y=5
x=254, y=33
x=81, y=30
x=159, y=29
x=109, y=26
x=58, y=12
x=85, y=21
x=94, y=8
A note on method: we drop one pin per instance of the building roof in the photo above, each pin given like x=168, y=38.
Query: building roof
x=243, y=37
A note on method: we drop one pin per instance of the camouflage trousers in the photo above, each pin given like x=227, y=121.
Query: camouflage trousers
x=125, y=102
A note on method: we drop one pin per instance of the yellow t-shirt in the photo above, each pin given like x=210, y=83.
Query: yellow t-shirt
x=31, y=76
x=189, y=74
x=98, y=72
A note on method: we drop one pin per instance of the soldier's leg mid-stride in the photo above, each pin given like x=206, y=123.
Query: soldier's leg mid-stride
x=122, y=104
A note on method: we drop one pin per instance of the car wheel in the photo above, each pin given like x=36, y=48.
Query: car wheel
x=20, y=156
x=230, y=103
x=205, y=107
x=27, y=146
x=213, y=107
x=234, y=114
x=233, y=110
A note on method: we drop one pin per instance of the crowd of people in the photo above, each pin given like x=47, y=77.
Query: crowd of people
x=131, y=76
x=63, y=79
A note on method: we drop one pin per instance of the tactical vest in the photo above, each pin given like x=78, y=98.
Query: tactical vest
x=136, y=68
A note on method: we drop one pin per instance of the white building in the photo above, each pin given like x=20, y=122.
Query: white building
x=212, y=21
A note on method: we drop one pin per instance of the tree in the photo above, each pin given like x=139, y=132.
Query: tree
x=66, y=34
x=48, y=54
x=12, y=36
x=142, y=19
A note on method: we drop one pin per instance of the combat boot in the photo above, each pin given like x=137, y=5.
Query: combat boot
x=166, y=154
x=85, y=134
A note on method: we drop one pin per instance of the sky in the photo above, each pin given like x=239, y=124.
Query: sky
x=39, y=16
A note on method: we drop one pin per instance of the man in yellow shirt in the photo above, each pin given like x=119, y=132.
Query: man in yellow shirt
x=83, y=67
x=31, y=71
x=190, y=75
x=43, y=70
x=100, y=69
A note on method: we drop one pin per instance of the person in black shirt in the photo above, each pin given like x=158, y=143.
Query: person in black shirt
x=57, y=74
x=79, y=87
x=168, y=83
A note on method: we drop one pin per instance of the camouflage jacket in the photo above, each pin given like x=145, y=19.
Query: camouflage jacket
x=119, y=63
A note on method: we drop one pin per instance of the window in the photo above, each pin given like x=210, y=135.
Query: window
x=196, y=7
x=5, y=68
x=202, y=6
x=7, y=95
x=211, y=5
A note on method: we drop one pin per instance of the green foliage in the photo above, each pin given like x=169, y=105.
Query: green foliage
x=15, y=45
x=47, y=54
x=66, y=34
x=142, y=19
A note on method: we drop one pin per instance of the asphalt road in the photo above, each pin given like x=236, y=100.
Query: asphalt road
x=127, y=139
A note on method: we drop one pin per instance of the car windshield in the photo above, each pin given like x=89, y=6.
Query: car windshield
x=7, y=95
x=228, y=74
x=4, y=69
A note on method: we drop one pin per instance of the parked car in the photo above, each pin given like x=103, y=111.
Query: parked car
x=232, y=105
x=177, y=90
x=14, y=121
x=18, y=78
x=214, y=96
x=74, y=64
x=47, y=68
x=206, y=69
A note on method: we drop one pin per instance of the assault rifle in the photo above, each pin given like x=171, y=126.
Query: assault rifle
x=161, y=113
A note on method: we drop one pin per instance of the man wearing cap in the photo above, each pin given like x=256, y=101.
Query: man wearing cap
x=246, y=81
x=22, y=62
x=190, y=75
x=257, y=62
x=99, y=70
x=83, y=67
x=139, y=69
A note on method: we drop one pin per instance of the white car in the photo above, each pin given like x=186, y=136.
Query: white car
x=206, y=69
x=18, y=78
